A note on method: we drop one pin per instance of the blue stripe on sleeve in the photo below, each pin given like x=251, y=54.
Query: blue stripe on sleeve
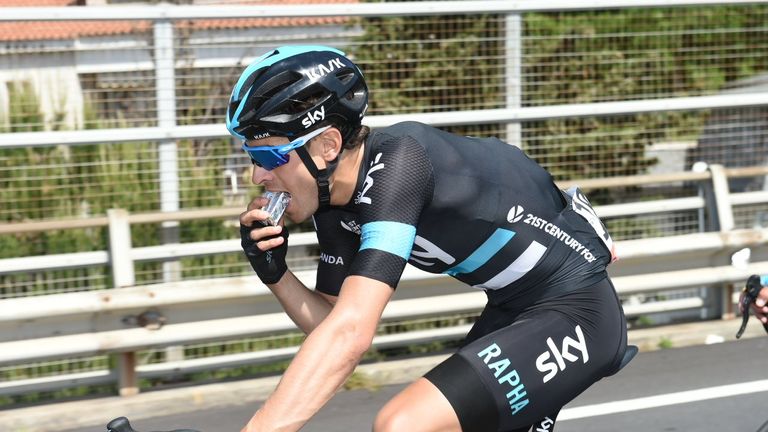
x=481, y=255
x=393, y=237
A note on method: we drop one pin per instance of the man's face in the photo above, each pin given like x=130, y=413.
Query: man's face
x=292, y=177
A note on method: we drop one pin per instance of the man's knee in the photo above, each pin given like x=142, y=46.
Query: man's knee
x=391, y=419
x=419, y=408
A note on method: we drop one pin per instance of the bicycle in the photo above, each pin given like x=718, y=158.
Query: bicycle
x=121, y=424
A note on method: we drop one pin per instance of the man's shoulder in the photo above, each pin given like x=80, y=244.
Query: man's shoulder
x=402, y=129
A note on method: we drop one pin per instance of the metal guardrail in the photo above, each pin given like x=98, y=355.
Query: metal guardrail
x=457, y=118
x=89, y=323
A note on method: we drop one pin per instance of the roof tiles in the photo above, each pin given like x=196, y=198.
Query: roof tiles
x=63, y=30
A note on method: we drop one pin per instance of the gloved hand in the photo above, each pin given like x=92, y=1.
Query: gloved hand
x=268, y=261
x=269, y=265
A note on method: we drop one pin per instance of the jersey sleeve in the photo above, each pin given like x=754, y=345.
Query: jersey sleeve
x=338, y=238
x=399, y=183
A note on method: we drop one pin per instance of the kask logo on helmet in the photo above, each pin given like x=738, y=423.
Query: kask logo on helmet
x=321, y=70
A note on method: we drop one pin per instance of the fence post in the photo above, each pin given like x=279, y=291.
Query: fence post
x=514, y=72
x=123, y=275
x=165, y=92
x=168, y=152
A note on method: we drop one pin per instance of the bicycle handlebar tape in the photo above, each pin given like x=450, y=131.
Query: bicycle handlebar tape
x=751, y=291
x=120, y=424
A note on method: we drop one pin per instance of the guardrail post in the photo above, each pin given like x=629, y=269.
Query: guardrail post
x=721, y=215
x=122, y=276
x=721, y=195
x=127, y=379
x=120, y=258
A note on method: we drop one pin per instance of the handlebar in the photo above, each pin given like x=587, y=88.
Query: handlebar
x=751, y=291
x=121, y=424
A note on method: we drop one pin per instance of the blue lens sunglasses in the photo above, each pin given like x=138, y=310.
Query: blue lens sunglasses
x=271, y=157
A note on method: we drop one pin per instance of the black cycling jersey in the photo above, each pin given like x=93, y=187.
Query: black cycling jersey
x=481, y=211
x=476, y=209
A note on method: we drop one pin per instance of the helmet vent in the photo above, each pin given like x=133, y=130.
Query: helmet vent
x=345, y=76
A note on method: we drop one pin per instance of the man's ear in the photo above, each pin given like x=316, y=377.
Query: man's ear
x=331, y=143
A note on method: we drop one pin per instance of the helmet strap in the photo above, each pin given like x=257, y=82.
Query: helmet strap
x=321, y=177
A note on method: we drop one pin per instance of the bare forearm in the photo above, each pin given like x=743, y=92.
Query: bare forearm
x=327, y=357
x=305, y=307
x=311, y=380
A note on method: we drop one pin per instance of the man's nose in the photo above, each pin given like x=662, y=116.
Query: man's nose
x=259, y=175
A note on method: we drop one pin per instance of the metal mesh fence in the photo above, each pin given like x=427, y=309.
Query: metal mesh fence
x=45, y=282
x=641, y=53
x=53, y=368
x=751, y=216
x=413, y=64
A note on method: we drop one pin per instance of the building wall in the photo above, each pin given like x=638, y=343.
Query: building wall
x=56, y=68
x=54, y=78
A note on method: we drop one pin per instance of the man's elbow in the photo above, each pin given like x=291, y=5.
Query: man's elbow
x=356, y=338
x=361, y=344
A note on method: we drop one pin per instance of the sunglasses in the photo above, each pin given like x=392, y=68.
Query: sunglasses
x=271, y=157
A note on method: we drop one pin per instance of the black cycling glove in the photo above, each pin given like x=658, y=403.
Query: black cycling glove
x=269, y=265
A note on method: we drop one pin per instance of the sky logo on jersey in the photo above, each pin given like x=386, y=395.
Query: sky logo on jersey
x=514, y=389
x=375, y=166
x=517, y=268
x=552, y=368
x=429, y=251
x=515, y=214
x=427, y=254
x=484, y=253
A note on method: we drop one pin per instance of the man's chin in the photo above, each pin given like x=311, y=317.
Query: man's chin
x=293, y=217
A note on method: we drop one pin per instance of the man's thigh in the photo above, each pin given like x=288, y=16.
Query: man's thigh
x=519, y=374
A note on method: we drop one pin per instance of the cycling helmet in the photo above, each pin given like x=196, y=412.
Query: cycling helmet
x=293, y=90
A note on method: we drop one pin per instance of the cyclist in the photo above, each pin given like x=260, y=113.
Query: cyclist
x=477, y=209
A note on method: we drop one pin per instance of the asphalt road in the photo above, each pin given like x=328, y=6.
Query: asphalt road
x=719, y=387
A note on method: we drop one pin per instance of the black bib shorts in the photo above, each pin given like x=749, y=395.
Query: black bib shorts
x=518, y=367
